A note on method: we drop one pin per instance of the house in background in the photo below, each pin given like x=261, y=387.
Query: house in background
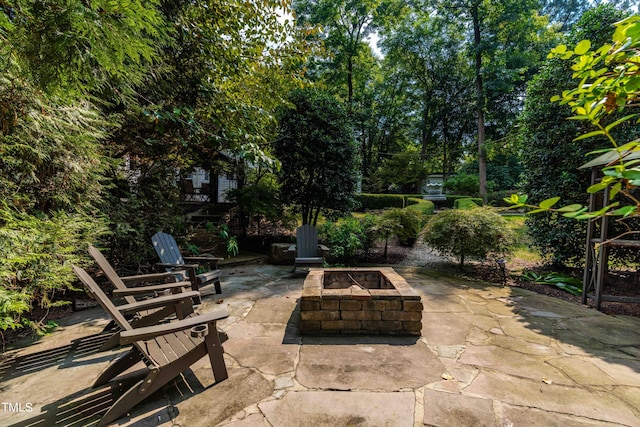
x=200, y=186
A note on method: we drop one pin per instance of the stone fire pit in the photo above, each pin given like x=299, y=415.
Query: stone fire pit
x=352, y=301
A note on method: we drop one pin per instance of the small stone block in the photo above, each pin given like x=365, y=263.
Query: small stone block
x=330, y=304
x=352, y=324
x=320, y=315
x=332, y=324
x=350, y=305
x=412, y=327
x=391, y=315
x=307, y=305
x=412, y=306
x=309, y=326
x=390, y=325
x=411, y=316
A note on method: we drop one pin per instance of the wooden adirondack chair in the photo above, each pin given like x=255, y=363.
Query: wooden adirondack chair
x=172, y=259
x=167, y=350
x=308, y=252
x=175, y=303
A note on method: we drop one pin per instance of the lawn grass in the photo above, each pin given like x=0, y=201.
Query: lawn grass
x=523, y=249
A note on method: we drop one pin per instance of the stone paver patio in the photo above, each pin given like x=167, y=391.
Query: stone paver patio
x=488, y=356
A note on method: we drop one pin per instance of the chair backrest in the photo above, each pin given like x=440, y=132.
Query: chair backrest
x=167, y=248
x=94, y=290
x=168, y=251
x=108, y=271
x=306, y=241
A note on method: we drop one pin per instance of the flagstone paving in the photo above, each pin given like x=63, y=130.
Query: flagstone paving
x=488, y=356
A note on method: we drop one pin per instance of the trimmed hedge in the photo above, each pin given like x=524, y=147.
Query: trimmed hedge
x=369, y=201
x=451, y=200
x=466, y=203
x=425, y=207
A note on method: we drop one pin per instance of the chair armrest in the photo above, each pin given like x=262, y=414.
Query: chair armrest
x=162, y=301
x=202, y=258
x=177, y=266
x=212, y=262
x=153, y=277
x=138, y=334
x=151, y=288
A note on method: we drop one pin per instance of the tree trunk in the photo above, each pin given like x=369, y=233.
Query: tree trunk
x=482, y=159
x=350, y=80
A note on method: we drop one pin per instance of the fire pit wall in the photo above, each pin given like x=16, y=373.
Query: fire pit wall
x=359, y=301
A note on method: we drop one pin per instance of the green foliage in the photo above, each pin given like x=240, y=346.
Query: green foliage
x=137, y=212
x=37, y=256
x=12, y=305
x=258, y=201
x=566, y=283
x=425, y=207
x=469, y=233
x=405, y=224
x=379, y=201
x=231, y=242
x=404, y=171
x=467, y=203
x=317, y=151
x=466, y=185
x=550, y=155
x=344, y=238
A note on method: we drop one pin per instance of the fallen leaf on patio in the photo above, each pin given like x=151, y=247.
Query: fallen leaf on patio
x=220, y=301
x=447, y=376
x=547, y=380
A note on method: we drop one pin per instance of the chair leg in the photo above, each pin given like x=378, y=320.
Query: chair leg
x=119, y=365
x=216, y=283
x=127, y=401
x=112, y=342
x=216, y=353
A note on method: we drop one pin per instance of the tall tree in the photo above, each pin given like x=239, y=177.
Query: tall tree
x=426, y=53
x=506, y=39
x=345, y=24
x=318, y=154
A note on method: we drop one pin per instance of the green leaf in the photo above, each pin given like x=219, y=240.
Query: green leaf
x=597, y=187
x=582, y=47
x=548, y=203
x=631, y=174
x=570, y=208
x=589, y=135
x=624, y=211
x=619, y=121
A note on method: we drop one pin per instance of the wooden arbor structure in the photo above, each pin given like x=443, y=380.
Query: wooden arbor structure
x=597, y=261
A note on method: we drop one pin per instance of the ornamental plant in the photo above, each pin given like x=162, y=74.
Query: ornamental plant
x=609, y=78
x=475, y=233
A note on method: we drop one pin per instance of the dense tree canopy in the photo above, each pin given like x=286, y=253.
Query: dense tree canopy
x=550, y=155
x=318, y=155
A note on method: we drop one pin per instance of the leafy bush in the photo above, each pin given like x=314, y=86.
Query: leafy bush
x=466, y=185
x=405, y=224
x=466, y=203
x=37, y=256
x=344, y=238
x=476, y=233
x=380, y=201
x=425, y=207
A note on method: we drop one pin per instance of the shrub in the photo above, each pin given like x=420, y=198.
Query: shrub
x=466, y=185
x=344, y=238
x=404, y=223
x=380, y=201
x=425, y=207
x=37, y=252
x=466, y=203
x=476, y=233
